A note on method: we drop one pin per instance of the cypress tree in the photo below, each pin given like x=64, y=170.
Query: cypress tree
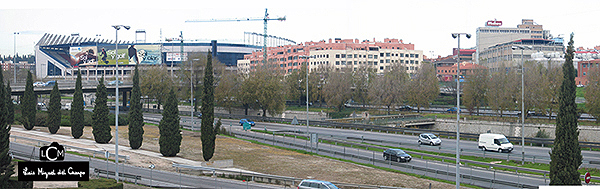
x=208, y=134
x=170, y=136
x=54, y=110
x=136, y=118
x=77, y=109
x=100, y=120
x=565, y=157
x=9, y=105
x=6, y=168
x=29, y=103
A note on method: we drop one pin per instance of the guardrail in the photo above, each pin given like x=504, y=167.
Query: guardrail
x=94, y=152
x=135, y=178
x=266, y=178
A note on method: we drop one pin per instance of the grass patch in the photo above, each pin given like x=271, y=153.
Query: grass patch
x=580, y=92
x=303, y=108
x=66, y=97
x=85, y=155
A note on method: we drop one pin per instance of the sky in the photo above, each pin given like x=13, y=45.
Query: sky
x=427, y=24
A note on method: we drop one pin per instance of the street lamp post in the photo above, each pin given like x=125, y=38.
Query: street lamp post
x=117, y=27
x=15, y=58
x=522, y=102
x=457, y=35
x=306, y=58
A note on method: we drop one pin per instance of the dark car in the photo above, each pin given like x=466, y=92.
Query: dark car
x=532, y=113
x=242, y=121
x=405, y=108
x=396, y=155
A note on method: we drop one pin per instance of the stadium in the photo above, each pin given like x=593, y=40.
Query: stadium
x=60, y=56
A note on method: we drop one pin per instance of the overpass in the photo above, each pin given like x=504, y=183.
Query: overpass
x=68, y=87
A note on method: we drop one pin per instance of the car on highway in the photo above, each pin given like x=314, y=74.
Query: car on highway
x=115, y=82
x=316, y=184
x=405, y=108
x=38, y=84
x=494, y=142
x=396, y=155
x=242, y=121
x=532, y=113
x=429, y=138
x=50, y=83
x=452, y=110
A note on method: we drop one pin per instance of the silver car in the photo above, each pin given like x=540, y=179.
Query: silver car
x=429, y=138
x=316, y=184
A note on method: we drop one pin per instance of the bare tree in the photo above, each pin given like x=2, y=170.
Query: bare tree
x=475, y=90
x=337, y=89
x=503, y=90
x=424, y=87
x=155, y=83
x=388, y=89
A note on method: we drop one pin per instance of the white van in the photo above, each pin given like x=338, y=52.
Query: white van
x=494, y=142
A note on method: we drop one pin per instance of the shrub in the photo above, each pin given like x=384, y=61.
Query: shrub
x=14, y=182
x=65, y=122
x=100, y=183
x=123, y=119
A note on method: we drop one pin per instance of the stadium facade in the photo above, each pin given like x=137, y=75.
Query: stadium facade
x=61, y=55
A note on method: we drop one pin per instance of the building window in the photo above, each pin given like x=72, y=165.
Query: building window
x=337, y=62
x=343, y=55
x=381, y=54
x=412, y=55
x=380, y=67
x=416, y=55
x=343, y=62
x=355, y=62
x=295, y=63
x=412, y=61
x=337, y=55
x=380, y=61
x=355, y=56
x=583, y=73
x=584, y=65
x=416, y=62
x=406, y=55
x=370, y=56
x=387, y=54
x=375, y=56
x=401, y=54
x=387, y=61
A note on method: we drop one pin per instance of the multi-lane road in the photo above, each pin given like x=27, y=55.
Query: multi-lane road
x=532, y=153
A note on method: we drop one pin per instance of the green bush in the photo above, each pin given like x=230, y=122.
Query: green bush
x=14, y=182
x=65, y=122
x=336, y=115
x=101, y=183
x=123, y=119
x=41, y=118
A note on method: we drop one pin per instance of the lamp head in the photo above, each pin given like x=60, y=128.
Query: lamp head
x=127, y=27
x=468, y=36
x=117, y=27
x=454, y=35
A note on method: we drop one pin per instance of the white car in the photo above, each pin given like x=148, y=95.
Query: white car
x=38, y=84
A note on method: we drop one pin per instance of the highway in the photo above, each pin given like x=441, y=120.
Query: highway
x=477, y=176
x=159, y=178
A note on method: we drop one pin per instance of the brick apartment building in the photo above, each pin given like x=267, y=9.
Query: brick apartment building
x=337, y=53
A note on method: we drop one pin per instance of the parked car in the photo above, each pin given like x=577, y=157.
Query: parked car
x=494, y=142
x=429, y=138
x=405, y=108
x=242, y=121
x=38, y=84
x=452, y=110
x=115, y=82
x=396, y=155
x=50, y=83
x=318, y=184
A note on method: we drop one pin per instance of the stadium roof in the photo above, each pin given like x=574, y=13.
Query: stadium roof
x=56, y=39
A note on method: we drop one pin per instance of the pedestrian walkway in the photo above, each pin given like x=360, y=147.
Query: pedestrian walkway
x=92, y=145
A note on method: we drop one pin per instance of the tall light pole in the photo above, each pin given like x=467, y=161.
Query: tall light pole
x=15, y=58
x=117, y=27
x=192, y=91
x=306, y=58
x=522, y=102
x=457, y=35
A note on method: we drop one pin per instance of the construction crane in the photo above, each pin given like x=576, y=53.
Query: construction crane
x=265, y=20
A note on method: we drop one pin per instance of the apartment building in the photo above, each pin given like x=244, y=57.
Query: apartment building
x=492, y=35
x=338, y=54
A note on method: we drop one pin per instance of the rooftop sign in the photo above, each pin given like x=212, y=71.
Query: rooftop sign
x=493, y=23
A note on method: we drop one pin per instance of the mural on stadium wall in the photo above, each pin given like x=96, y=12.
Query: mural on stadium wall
x=84, y=55
x=146, y=54
x=106, y=55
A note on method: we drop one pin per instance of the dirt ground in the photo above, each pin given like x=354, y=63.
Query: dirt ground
x=254, y=157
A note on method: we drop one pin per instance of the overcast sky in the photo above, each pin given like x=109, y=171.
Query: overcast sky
x=425, y=23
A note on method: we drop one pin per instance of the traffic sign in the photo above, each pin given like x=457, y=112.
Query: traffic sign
x=587, y=177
